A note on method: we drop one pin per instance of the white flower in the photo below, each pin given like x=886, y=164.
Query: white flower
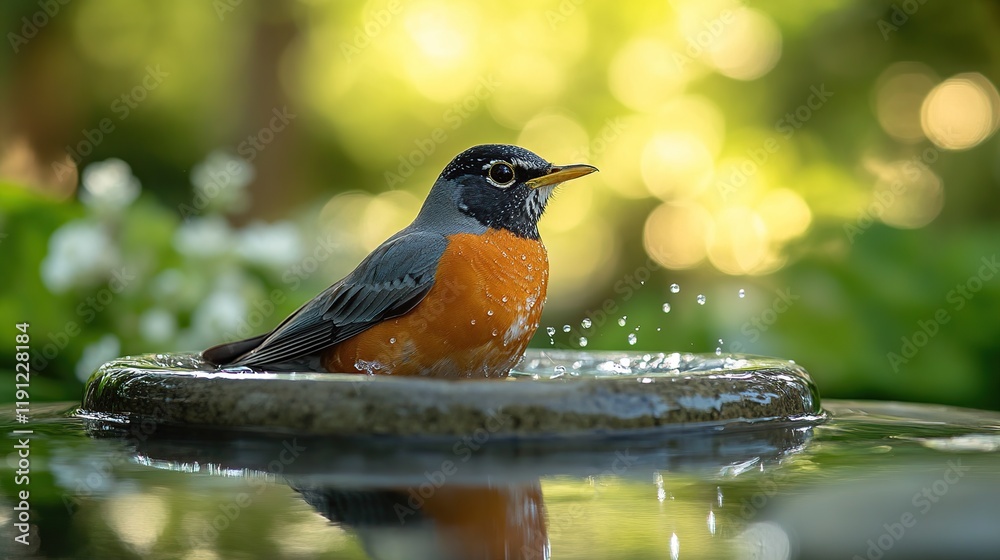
x=108, y=184
x=277, y=245
x=220, y=179
x=157, y=325
x=96, y=354
x=80, y=254
x=203, y=237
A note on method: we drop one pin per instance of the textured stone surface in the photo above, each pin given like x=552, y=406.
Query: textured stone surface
x=591, y=393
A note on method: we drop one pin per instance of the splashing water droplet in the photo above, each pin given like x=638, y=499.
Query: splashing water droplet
x=586, y=323
x=551, y=331
x=583, y=341
x=524, y=257
x=489, y=312
x=701, y=299
x=666, y=308
x=472, y=322
x=494, y=332
x=368, y=367
x=674, y=288
x=718, y=349
x=559, y=369
x=504, y=299
x=566, y=328
x=392, y=340
x=621, y=322
x=743, y=293
x=632, y=339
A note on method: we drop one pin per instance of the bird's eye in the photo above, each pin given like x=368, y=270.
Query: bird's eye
x=501, y=173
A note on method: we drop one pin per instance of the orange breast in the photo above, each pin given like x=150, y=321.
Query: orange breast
x=476, y=320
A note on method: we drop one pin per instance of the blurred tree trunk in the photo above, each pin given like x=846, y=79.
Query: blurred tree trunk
x=275, y=190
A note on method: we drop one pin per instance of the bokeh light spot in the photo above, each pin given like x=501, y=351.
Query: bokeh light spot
x=619, y=162
x=739, y=241
x=784, y=212
x=676, y=234
x=676, y=165
x=443, y=63
x=695, y=114
x=646, y=72
x=899, y=94
x=555, y=137
x=908, y=194
x=961, y=112
x=748, y=47
x=440, y=32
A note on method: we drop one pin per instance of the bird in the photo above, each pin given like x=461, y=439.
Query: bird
x=458, y=293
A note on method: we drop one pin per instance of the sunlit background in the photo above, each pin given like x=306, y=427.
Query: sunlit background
x=811, y=180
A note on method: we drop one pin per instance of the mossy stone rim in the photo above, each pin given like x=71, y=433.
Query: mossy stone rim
x=180, y=390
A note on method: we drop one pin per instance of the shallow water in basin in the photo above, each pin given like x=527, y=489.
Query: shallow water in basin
x=875, y=480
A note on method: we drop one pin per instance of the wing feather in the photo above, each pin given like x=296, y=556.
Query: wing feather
x=392, y=280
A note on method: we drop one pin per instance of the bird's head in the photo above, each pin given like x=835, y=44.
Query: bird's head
x=502, y=186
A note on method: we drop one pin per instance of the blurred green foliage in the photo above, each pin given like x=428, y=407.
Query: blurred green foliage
x=262, y=149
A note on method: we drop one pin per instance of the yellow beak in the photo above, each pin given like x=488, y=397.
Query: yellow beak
x=560, y=174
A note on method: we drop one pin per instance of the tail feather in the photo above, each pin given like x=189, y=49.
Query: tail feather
x=229, y=352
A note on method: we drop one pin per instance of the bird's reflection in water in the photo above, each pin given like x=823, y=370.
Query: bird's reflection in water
x=439, y=522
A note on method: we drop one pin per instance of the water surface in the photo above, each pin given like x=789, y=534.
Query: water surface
x=875, y=480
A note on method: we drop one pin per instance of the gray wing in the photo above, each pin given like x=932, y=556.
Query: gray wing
x=392, y=280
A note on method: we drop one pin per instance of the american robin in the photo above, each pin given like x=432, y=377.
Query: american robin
x=457, y=293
